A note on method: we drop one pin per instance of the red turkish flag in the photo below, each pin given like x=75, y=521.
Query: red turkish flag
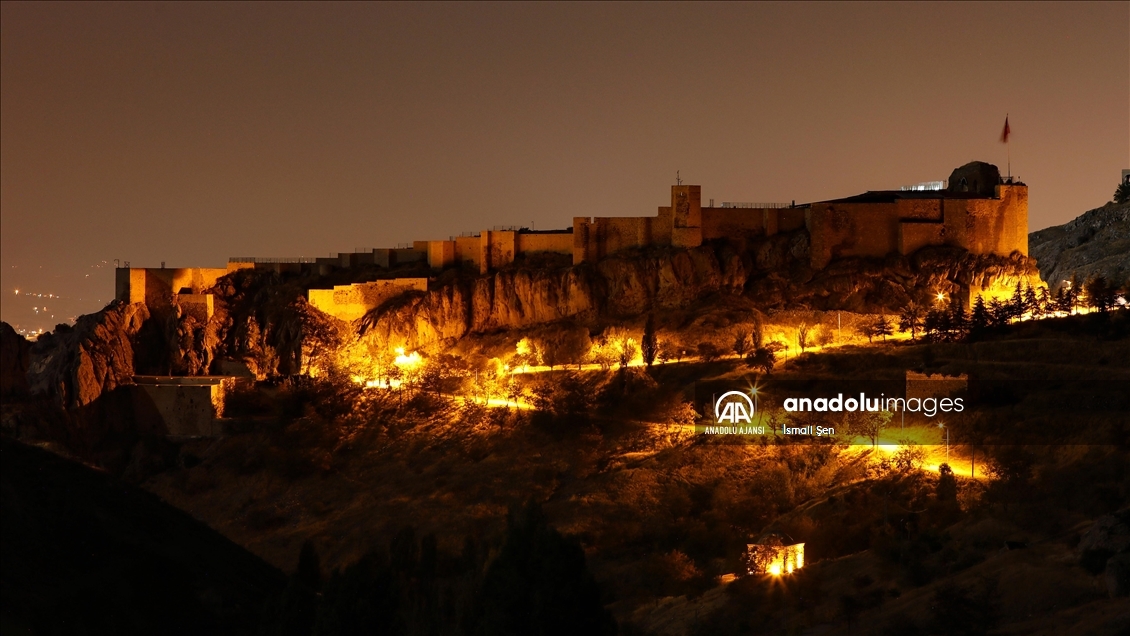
x=1006, y=131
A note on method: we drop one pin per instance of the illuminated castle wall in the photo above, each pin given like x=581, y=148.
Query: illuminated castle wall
x=684, y=223
x=979, y=212
x=164, y=287
x=350, y=302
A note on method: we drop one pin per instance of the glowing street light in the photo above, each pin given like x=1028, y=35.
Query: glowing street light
x=943, y=425
x=755, y=392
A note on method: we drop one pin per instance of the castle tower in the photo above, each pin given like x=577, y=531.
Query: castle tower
x=686, y=215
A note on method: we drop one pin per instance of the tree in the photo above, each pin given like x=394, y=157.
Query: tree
x=824, y=336
x=1011, y=465
x=979, y=318
x=883, y=327
x=958, y=319
x=867, y=424
x=363, y=598
x=650, y=344
x=491, y=378
x=1044, y=302
x=802, y=336
x=309, y=571
x=626, y=351
x=1075, y=292
x=570, y=395
x=998, y=313
x=603, y=353
x=910, y=319
x=867, y=328
x=877, y=327
x=1122, y=192
x=526, y=354
x=1100, y=295
x=671, y=349
x=1062, y=302
x=294, y=611
x=1031, y=302
x=1016, y=303
x=741, y=343
x=762, y=358
x=539, y=584
x=514, y=393
x=946, y=491
x=908, y=457
x=564, y=345
x=967, y=428
x=936, y=324
x=620, y=346
x=708, y=351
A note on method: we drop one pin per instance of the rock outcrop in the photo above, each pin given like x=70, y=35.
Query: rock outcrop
x=622, y=286
x=771, y=273
x=75, y=365
x=1106, y=546
x=14, y=359
x=1096, y=243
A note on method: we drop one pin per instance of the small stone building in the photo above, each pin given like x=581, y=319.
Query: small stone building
x=771, y=555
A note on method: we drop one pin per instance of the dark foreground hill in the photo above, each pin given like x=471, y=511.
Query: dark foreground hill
x=85, y=554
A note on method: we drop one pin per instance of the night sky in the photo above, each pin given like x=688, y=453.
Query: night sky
x=188, y=133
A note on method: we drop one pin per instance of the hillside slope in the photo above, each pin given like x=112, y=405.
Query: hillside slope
x=84, y=553
x=1096, y=243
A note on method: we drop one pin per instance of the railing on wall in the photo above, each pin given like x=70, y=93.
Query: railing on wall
x=744, y=204
x=925, y=186
x=272, y=259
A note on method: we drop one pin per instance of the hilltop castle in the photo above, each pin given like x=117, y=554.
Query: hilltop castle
x=978, y=211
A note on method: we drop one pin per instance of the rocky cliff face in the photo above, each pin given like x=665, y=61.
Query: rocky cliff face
x=76, y=365
x=1096, y=243
x=886, y=285
x=772, y=273
x=618, y=287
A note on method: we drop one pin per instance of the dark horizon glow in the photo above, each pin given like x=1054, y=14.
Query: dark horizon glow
x=188, y=133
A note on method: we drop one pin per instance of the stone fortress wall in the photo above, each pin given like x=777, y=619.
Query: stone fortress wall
x=978, y=211
x=350, y=302
x=166, y=287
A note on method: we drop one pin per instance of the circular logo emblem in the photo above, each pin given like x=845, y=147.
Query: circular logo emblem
x=733, y=407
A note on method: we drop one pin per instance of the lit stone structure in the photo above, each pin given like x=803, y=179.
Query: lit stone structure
x=772, y=556
x=350, y=302
x=979, y=211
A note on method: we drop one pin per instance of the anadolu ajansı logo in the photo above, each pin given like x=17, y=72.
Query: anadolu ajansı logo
x=734, y=408
x=734, y=412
